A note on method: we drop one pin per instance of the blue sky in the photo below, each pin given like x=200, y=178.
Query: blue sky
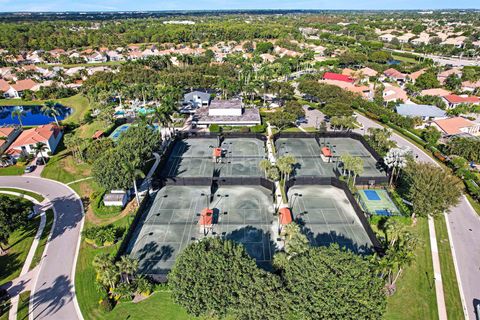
x=118, y=5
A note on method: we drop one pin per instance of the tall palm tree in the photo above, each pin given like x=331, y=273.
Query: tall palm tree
x=132, y=172
x=128, y=267
x=50, y=108
x=39, y=148
x=19, y=113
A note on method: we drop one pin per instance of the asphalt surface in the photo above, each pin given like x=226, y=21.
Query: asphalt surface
x=53, y=295
x=454, y=61
x=464, y=226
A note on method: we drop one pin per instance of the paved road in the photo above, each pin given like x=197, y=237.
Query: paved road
x=441, y=60
x=464, y=225
x=53, y=296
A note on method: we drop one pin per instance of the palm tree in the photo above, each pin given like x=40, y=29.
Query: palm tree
x=39, y=148
x=50, y=108
x=133, y=173
x=19, y=113
x=265, y=165
x=128, y=267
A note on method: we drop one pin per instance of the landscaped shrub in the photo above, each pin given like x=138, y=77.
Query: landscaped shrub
x=259, y=128
x=100, y=236
x=215, y=128
x=105, y=304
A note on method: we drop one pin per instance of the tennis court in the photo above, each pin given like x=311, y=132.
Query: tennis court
x=242, y=157
x=307, y=151
x=377, y=202
x=328, y=217
x=241, y=213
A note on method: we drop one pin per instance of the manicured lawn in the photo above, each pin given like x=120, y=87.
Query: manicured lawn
x=19, y=244
x=296, y=129
x=43, y=239
x=23, y=303
x=15, y=170
x=475, y=204
x=449, y=278
x=415, y=296
x=404, y=59
x=34, y=195
x=87, y=293
x=159, y=306
x=63, y=167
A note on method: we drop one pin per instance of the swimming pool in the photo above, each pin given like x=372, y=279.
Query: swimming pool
x=31, y=115
x=115, y=135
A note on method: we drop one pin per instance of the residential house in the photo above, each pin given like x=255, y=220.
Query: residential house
x=4, y=87
x=96, y=57
x=227, y=113
x=48, y=134
x=470, y=85
x=337, y=77
x=394, y=93
x=395, y=75
x=458, y=42
x=386, y=37
x=453, y=100
x=7, y=136
x=16, y=90
x=363, y=91
x=424, y=112
x=267, y=57
x=367, y=72
x=423, y=38
x=457, y=126
x=436, y=92
x=405, y=38
x=442, y=76
x=114, y=56
x=414, y=75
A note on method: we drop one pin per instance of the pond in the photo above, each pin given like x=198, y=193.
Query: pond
x=393, y=62
x=32, y=115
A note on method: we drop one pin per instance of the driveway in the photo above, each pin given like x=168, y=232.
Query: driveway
x=53, y=294
x=464, y=226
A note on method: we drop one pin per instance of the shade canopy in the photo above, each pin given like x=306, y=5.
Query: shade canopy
x=206, y=217
x=326, y=152
x=285, y=216
x=217, y=152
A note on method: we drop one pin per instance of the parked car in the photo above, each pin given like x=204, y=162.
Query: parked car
x=41, y=161
x=301, y=120
x=29, y=168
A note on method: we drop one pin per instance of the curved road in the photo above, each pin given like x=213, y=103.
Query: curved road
x=464, y=226
x=53, y=294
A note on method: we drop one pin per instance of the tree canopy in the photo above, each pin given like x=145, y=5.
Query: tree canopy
x=13, y=215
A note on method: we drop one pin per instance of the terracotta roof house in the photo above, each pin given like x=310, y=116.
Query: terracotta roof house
x=414, y=75
x=458, y=125
x=437, y=92
x=393, y=93
x=48, y=134
x=16, y=90
x=337, y=77
x=4, y=86
x=442, y=76
x=7, y=136
x=453, y=100
x=364, y=91
x=395, y=75
x=467, y=85
x=368, y=72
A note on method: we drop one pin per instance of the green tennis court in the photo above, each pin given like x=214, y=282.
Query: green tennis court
x=327, y=217
x=241, y=213
x=377, y=202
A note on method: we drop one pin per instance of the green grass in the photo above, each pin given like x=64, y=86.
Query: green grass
x=15, y=170
x=20, y=242
x=34, y=195
x=159, y=306
x=63, y=167
x=296, y=129
x=87, y=293
x=415, y=296
x=449, y=277
x=43, y=239
x=23, y=304
x=404, y=59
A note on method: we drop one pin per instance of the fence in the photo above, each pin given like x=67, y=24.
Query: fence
x=214, y=135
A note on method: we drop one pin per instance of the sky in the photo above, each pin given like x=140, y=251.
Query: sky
x=139, y=5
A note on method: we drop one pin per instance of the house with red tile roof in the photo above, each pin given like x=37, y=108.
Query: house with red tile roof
x=470, y=85
x=457, y=125
x=337, y=77
x=364, y=91
x=394, y=93
x=48, y=134
x=4, y=87
x=453, y=100
x=7, y=136
x=395, y=75
x=436, y=92
x=17, y=89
